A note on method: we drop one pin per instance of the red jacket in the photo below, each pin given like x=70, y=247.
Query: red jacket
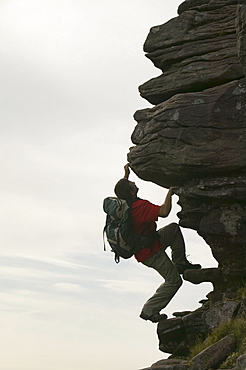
x=144, y=217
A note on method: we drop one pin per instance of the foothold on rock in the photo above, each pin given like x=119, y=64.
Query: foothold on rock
x=178, y=334
x=181, y=314
x=212, y=275
x=171, y=334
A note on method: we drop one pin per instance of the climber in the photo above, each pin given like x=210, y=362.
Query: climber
x=144, y=216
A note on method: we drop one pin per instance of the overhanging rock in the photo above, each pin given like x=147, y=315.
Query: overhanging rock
x=195, y=137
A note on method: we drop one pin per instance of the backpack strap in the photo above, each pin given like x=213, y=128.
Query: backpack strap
x=116, y=257
x=104, y=231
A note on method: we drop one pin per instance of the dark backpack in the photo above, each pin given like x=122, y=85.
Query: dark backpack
x=118, y=228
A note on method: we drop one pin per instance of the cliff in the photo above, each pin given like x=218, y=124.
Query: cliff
x=194, y=137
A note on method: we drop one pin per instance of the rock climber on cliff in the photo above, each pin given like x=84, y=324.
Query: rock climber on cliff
x=144, y=216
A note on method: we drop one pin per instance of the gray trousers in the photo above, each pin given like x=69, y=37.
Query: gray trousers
x=170, y=236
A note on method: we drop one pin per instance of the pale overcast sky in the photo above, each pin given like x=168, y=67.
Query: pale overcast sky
x=70, y=71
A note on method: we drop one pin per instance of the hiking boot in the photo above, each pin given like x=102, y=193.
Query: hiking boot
x=187, y=266
x=153, y=318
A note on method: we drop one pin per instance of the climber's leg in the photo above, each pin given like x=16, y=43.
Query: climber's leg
x=164, y=266
x=171, y=236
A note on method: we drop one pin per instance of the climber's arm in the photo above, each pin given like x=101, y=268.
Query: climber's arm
x=167, y=205
x=127, y=171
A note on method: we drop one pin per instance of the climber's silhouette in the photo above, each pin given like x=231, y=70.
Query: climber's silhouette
x=144, y=216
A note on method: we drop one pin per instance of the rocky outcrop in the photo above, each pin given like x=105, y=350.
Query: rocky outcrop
x=169, y=365
x=178, y=335
x=195, y=51
x=215, y=207
x=192, y=135
x=195, y=136
x=210, y=358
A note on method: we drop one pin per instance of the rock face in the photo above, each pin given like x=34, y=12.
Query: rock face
x=195, y=51
x=178, y=335
x=195, y=135
x=219, y=313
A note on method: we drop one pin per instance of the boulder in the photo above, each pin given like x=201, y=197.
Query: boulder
x=170, y=364
x=214, y=355
x=219, y=313
x=241, y=362
x=194, y=326
x=177, y=335
x=242, y=309
x=171, y=335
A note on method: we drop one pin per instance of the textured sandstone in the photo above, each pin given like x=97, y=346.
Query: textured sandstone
x=195, y=138
x=214, y=355
x=171, y=334
x=192, y=135
x=219, y=313
x=197, y=141
x=176, y=335
x=241, y=34
x=204, y=4
x=212, y=275
x=201, y=53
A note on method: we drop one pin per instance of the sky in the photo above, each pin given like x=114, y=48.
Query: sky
x=70, y=71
